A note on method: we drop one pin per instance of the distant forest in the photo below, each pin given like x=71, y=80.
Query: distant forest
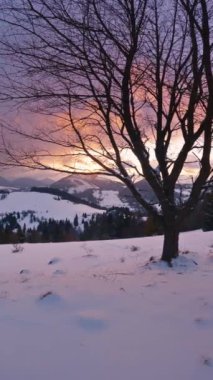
x=115, y=223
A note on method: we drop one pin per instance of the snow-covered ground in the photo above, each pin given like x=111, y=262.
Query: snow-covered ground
x=44, y=205
x=109, y=198
x=8, y=188
x=79, y=185
x=103, y=311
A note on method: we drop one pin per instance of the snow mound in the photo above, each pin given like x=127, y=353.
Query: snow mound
x=182, y=264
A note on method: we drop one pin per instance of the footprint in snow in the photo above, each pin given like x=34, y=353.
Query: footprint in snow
x=59, y=272
x=24, y=275
x=24, y=271
x=4, y=294
x=90, y=255
x=92, y=321
x=150, y=285
x=203, y=322
x=54, y=260
x=51, y=299
x=92, y=325
x=207, y=361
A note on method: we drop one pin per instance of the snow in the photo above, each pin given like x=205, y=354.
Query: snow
x=81, y=186
x=109, y=198
x=102, y=310
x=182, y=195
x=45, y=206
x=8, y=188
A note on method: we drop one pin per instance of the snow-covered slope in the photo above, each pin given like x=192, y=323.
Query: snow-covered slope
x=80, y=183
x=79, y=186
x=109, y=198
x=106, y=192
x=102, y=310
x=24, y=182
x=99, y=190
x=44, y=205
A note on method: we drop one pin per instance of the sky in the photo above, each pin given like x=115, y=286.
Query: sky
x=21, y=118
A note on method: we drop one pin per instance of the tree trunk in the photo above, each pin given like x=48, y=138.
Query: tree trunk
x=170, y=245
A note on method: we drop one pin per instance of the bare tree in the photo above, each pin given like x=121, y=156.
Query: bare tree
x=132, y=84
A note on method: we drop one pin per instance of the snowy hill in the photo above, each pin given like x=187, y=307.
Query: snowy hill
x=97, y=190
x=102, y=310
x=24, y=182
x=100, y=190
x=44, y=206
x=82, y=183
x=106, y=192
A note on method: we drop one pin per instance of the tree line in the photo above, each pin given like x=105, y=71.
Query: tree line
x=116, y=223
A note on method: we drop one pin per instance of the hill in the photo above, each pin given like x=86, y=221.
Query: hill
x=23, y=182
x=44, y=206
x=96, y=190
x=102, y=190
